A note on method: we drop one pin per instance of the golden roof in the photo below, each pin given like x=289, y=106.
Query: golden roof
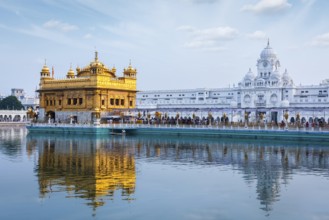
x=129, y=69
x=70, y=72
x=45, y=69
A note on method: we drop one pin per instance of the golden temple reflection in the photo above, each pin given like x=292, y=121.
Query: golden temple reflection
x=88, y=168
x=96, y=168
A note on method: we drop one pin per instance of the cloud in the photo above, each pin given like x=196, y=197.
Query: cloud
x=88, y=36
x=321, y=40
x=267, y=6
x=58, y=25
x=257, y=35
x=208, y=39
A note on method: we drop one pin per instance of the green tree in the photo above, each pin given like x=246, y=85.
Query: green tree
x=11, y=102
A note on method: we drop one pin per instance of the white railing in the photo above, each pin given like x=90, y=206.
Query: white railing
x=187, y=127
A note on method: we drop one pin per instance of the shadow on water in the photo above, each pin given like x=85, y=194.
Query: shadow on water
x=95, y=167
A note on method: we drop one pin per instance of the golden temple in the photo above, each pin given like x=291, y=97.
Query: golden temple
x=87, y=94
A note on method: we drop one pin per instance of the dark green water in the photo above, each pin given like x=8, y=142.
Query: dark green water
x=158, y=177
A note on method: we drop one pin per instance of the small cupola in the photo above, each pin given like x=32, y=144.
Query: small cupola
x=130, y=71
x=45, y=71
x=70, y=74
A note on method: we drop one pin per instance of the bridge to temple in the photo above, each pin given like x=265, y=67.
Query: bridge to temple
x=12, y=115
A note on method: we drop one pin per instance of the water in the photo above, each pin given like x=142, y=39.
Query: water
x=115, y=177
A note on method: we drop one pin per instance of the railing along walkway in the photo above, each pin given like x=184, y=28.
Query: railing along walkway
x=170, y=126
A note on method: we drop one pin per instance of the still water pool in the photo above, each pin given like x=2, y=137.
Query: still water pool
x=46, y=176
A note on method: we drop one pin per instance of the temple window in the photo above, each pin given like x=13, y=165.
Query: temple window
x=103, y=102
x=75, y=101
x=59, y=102
x=69, y=101
x=131, y=103
x=116, y=101
x=112, y=101
x=122, y=102
x=80, y=101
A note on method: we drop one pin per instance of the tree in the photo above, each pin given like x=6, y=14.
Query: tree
x=12, y=103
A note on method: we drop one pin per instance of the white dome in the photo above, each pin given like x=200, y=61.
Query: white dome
x=286, y=76
x=276, y=75
x=249, y=75
x=268, y=53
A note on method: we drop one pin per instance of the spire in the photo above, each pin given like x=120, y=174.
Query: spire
x=45, y=62
x=52, y=72
x=268, y=42
x=96, y=56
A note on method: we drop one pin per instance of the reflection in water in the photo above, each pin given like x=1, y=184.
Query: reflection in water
x=87, y=168
x=271, y=165
x=95, y=167
x=11, y=141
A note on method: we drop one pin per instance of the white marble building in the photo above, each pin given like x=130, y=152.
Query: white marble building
x=270, y=91
x=27, y=101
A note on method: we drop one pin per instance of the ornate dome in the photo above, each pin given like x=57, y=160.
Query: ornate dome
x=45, y=69
x=70, y=72
x=129, y=69
x=249, y=75
x=286, y=76
x=268, y=53
x=276, y=75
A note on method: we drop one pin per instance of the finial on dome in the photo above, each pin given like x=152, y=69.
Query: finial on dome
x=268, y=42
x=45, y=62
x=96, y=55
x=52, y=71
x=129, y=62
x=249, y=69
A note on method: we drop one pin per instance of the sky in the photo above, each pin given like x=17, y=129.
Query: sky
x=174, y=44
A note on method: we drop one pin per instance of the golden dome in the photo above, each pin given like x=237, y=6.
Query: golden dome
x=45, y=69
x=130, y=69
x=70, y=73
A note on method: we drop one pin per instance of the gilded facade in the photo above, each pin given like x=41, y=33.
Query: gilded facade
x=87, y=93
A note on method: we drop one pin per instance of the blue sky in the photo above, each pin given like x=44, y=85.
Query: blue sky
x=174, y=44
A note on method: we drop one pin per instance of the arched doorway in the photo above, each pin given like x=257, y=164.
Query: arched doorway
x=17, y=118
x=50, y=115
